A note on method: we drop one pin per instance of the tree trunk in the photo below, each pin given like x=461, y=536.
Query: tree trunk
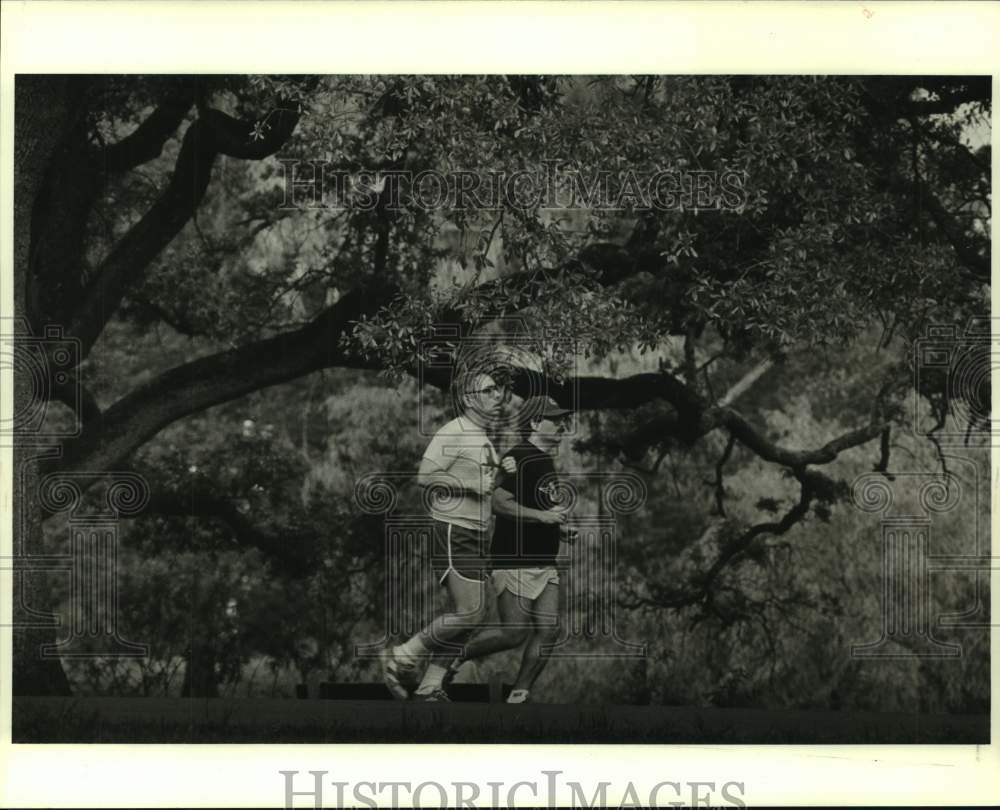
x=44, y=113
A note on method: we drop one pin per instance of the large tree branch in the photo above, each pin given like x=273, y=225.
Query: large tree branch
x=754, y=440
x=228, y=375
x=694, y=417
x=146, y=143
x=218, y=378
x=589, y=393
x=78, y=399
x=225, y=376
x=739, y=546
x=670, y=427
x=666, y=597
x=256, y=140
x=212, y=134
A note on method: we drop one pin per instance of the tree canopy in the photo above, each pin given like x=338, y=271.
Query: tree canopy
x=192, y=238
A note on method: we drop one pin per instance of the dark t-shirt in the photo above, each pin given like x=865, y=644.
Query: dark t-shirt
x=527, y=544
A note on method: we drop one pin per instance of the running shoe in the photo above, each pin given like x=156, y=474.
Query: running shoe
x=453, y=669
x=436, y=695
x=399, y=678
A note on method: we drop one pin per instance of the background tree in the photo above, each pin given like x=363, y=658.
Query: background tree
x=149, y=215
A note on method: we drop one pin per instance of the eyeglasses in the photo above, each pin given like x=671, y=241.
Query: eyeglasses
x=493, y=390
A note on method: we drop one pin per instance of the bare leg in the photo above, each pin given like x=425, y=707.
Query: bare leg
x=545, y=615
x=446, y=634
x=471, y=610
x=516, y=621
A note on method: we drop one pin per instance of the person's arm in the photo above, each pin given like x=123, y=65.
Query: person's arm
x=504, y=503
x=431, y=475
x=568, y=535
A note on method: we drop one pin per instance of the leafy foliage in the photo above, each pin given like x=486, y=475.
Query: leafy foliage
x=851, y=212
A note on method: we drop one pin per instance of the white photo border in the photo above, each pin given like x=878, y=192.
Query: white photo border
x=528, y=37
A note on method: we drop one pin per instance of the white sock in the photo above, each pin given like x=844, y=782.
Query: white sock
x=433, y=679
x=410, y=652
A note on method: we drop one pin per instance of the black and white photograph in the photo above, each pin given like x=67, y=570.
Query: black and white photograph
x=500, y=407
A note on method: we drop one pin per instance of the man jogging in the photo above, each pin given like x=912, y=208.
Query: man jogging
x=458, y=468
x=529, y=529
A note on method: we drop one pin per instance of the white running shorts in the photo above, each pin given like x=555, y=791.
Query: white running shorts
x=527, y=583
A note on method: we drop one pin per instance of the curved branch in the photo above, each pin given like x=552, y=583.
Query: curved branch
x=741, y=544
x=227, y=375
x=211, y=380
x=695, y=419
x=146, y=143
x=662, y=598
x=749, y=436
x=237, y=138
x=212, y=134
x=587, y=393
x=78, y=399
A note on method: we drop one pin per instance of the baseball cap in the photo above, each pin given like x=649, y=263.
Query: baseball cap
x=539, y=406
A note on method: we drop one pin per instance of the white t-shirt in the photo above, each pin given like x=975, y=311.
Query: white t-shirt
x=463, y=450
